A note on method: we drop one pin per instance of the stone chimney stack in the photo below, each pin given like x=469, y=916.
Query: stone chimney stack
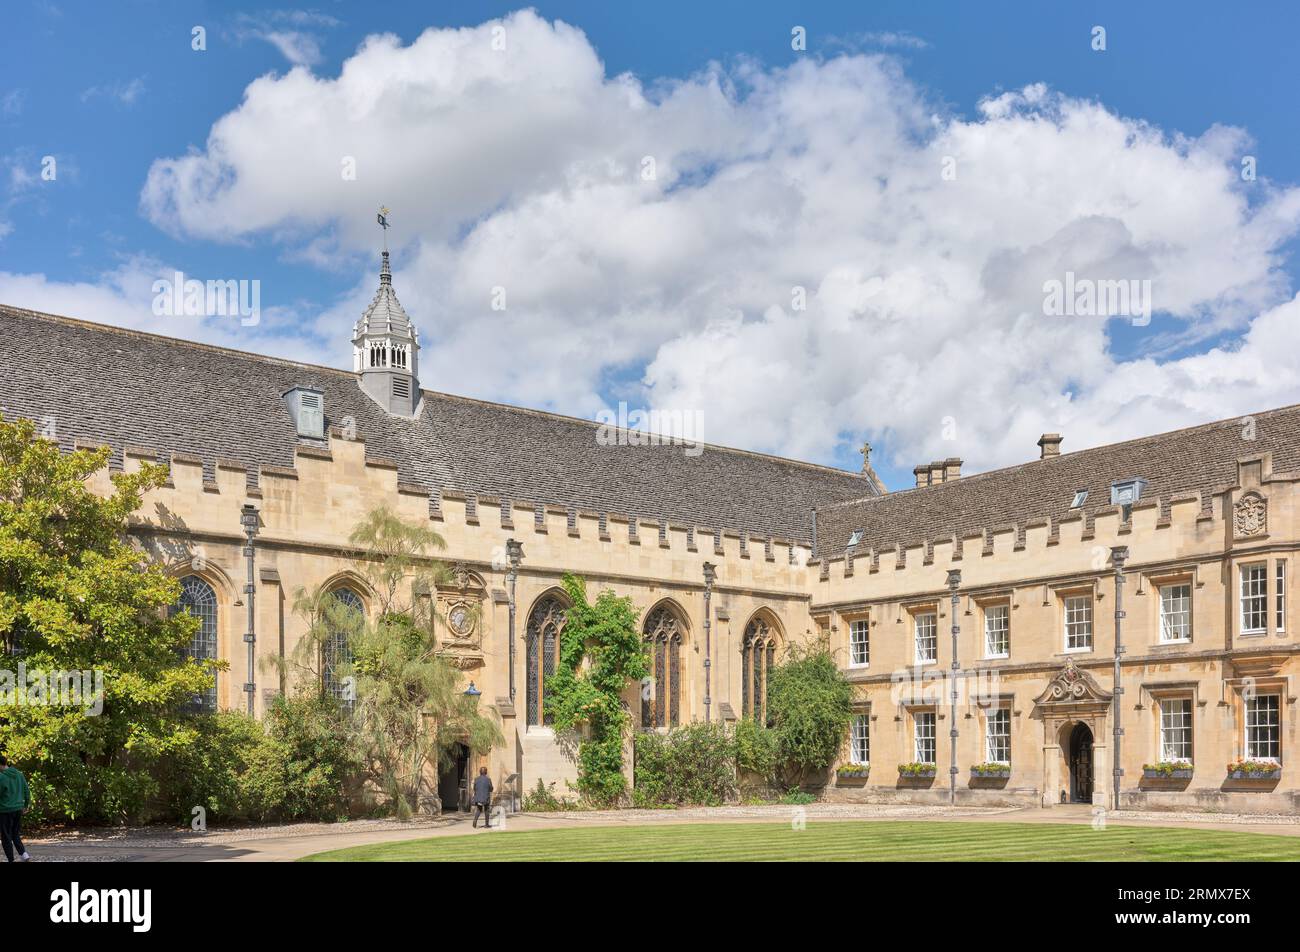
x=936, y=472
x=922, y=474
x=951, y=469
x=1050, y=444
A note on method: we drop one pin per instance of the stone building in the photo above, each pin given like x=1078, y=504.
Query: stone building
x=1207, y=516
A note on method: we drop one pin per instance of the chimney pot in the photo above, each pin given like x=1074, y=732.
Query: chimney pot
x=1050, y=445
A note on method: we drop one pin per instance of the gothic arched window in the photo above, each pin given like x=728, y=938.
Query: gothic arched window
x=663, y=635
x=199, y=599
x=543, y=655
x=336, y=649
x=757, y=658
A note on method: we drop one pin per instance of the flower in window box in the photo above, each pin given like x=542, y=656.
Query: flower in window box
x=853, y=771
x=916, y=769
x=1168, y=770
x=991, y=770
x=1254, y=770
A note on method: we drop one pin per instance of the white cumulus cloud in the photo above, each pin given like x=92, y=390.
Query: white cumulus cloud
x=652, y=240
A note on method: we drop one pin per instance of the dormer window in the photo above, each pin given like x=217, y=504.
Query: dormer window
x=1125, y=492
x=307, y=408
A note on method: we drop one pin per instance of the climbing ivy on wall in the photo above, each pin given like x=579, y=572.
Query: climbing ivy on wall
x=601, y=652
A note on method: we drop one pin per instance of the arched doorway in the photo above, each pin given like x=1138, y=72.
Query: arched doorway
x=1080, y=754
x=453, y=780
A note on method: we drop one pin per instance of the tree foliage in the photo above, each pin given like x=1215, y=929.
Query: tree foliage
x=694, y=764
x=810, y=703
x=601, y=651
x=76, y=595
x=410, y=710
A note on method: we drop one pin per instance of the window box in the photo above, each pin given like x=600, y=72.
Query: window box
x=851, y=773
x=1167, y=770
x=990, y=771
x=1254, y=770
x=917, y=771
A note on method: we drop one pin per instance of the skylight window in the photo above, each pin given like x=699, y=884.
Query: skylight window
x=855, y=538
x=1080, y=497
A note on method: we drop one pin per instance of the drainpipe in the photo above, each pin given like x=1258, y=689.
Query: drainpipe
x=515, y=554
x=954, y=581
x=710, y=574
x=248, y=519
x=1118, y=556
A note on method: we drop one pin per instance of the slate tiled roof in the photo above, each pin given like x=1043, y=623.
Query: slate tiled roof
x=1198, y=459
x=108, y=385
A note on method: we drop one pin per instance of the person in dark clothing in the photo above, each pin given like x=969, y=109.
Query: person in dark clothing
x=482, y=798
x=14, y=799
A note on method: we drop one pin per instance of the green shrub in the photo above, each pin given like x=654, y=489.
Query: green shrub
x=690, y=765
x=208, y=770
x=810, y=704
x=296, y=765
x=304, y=769
x=757, y=749
x=795, y=797
x=542, y=799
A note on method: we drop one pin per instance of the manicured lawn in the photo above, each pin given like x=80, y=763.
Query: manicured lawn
x=834, y=841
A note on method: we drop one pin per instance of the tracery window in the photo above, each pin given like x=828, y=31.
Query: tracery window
x=757, y=659
x=336, y=650
x=543, y=655
x=661, y=706
x=199, y=599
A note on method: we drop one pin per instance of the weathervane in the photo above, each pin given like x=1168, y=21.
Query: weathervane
x=383, y=223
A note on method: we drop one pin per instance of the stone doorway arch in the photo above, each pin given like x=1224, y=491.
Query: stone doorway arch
x=1073, y=700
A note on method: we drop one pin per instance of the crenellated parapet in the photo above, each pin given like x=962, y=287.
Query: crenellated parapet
x=315, y=502
x=1259, y=507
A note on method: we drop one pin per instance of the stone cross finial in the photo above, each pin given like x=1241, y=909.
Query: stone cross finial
x=866, y=456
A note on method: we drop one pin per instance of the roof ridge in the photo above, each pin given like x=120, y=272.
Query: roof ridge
x=1074, y=455
x=284, y=361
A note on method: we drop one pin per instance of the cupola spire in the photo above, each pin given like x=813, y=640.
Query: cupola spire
x=386, y=345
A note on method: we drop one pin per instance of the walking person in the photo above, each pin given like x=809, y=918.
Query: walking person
x=14, y=799
x=483, y=798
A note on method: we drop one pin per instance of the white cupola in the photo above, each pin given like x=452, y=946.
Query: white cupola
x=386, y=349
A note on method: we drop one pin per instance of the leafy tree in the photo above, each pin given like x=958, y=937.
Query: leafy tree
x=77, y=595
x=601, y=651
x=810, y=703
x=410, y=710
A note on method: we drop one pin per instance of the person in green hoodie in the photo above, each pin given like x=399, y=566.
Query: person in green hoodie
x=14, y=799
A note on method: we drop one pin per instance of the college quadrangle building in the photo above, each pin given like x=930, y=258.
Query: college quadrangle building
x=1207, y=518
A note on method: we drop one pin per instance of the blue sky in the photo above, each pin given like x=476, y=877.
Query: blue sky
x=109, y=89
